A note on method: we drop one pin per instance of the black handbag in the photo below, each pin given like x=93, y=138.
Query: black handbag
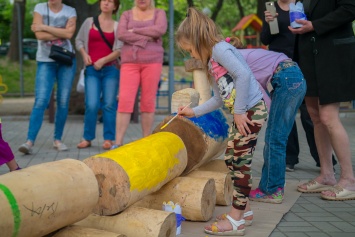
x=60, y=54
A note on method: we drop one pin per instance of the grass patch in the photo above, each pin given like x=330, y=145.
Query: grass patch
x=10, y=72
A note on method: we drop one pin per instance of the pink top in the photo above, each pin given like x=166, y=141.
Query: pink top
x=216, y=70
x=144, y=44
x=97, y=46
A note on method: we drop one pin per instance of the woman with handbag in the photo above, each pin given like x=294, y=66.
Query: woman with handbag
x=54, y=24
x=100, y=49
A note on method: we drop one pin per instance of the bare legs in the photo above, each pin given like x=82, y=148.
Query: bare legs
x=147, y=123
x=12, y=164
x=330, y=134
x=122, y=123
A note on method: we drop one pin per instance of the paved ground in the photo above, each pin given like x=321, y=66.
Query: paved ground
x=309, y=216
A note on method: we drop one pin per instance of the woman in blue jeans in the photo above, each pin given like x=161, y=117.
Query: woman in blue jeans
x=284, y=82
x=100, y=50
x=53, y=24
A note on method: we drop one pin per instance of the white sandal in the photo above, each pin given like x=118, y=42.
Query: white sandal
x=234, y=232
x=246, y=214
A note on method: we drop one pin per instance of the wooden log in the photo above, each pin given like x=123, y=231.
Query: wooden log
x=184, y=97
x=43, y=198
x=199, y=75
x=217, y=165
x=78, y=231
x=205, y=137
x=196, y=196
x=223, y=182
x=135, y=222
x=130, y=172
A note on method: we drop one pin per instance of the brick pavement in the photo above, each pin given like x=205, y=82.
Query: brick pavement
x=309, y=216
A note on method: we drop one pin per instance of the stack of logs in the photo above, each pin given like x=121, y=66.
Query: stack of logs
x=121, y=192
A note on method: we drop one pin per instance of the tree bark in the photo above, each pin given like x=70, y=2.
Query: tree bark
x=14, y=49
x=190, y=3
x=261, y=8
x=83, y=11
x=240, y=8
x=216, y=10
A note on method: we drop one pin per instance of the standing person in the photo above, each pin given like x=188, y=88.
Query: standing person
x=6, y=155
x=101, y=73
x=235, y=86
x=284, y=42
x=284, y=80
x=325, y=50
x=61, y=28
x=141, y=30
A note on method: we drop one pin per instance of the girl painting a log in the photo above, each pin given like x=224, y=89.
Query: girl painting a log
x=240, y=93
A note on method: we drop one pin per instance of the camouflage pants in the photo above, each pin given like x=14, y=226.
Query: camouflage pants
x=239, y=154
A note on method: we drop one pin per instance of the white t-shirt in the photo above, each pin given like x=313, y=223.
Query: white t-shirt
x=58, y=20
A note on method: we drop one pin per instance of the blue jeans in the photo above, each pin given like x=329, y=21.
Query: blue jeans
x=289, y=90
x=47, y=74
x=101, y=84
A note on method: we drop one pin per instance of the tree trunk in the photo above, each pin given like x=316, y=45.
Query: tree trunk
x=216, y=10
x=14, y=49
x=240, y=8
x=83, y=11
x=261, y=8
x=190, y=3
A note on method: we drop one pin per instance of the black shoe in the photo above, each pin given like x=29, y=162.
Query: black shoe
x=290, y=168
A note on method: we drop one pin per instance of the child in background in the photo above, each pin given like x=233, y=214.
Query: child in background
x=282, y=77
x=199, y=36
x=6, y=155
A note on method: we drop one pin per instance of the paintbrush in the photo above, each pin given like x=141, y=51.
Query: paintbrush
x=174, y=117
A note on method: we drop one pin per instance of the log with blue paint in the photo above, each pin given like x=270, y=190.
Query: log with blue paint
x=205, y=137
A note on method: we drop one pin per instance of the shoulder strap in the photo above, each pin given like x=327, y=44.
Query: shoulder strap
x=97, y=24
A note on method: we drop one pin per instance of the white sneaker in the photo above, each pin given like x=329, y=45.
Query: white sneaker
x=25, y=149
x=60, y=146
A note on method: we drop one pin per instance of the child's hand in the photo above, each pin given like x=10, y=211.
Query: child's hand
x=187, y=112
x=241, y=122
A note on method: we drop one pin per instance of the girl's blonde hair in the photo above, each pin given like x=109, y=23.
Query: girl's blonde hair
x=236, y=42
x=200, y=32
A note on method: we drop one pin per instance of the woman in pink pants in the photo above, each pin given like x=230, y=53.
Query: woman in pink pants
x=141, y=29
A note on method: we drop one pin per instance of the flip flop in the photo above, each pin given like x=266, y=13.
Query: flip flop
x=234, y=232
x=314, y=187
x=341, y=194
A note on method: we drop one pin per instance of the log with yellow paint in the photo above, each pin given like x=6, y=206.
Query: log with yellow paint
x=129, y=173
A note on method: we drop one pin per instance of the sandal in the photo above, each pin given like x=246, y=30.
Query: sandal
x=313, y=186
x=234, y=232
x=107, y=145
x=340, y=194
x=84, y=144
x=246, y=214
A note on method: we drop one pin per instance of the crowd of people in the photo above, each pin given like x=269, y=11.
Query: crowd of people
x=308, y=68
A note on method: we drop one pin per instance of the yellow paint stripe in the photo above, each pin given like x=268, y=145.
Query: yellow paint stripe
x=147, y=161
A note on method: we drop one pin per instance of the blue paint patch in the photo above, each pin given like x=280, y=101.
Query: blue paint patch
x=214, y=124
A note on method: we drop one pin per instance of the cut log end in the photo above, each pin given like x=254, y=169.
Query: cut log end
x=114, y=190
x=209, y=201
x=193, y=64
